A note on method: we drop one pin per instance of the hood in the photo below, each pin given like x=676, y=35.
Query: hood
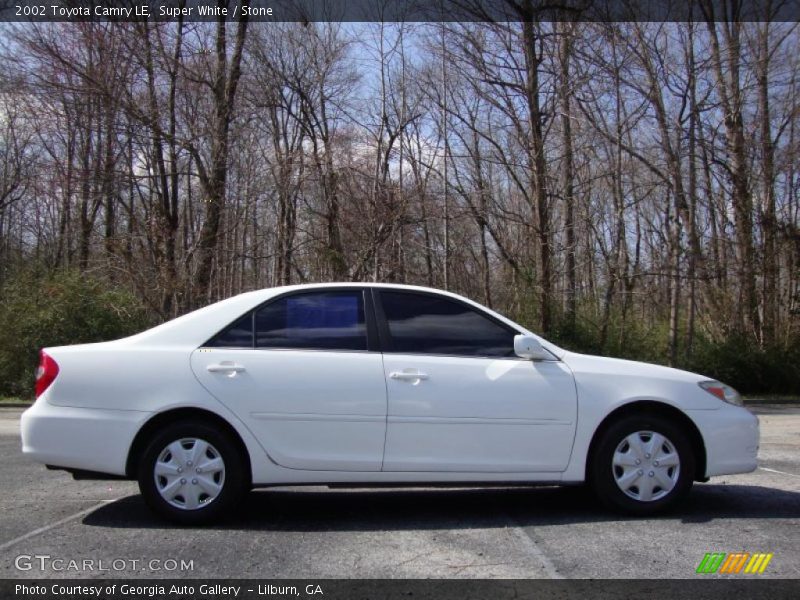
x=599, y=379
x=587, y=363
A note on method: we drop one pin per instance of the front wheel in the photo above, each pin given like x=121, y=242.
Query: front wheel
x=642, y=465
x=191, y=473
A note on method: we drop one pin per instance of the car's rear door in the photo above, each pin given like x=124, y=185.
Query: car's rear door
x=303, y=372
x=460, y=400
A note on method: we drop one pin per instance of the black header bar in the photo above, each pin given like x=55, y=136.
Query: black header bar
x=399, y=10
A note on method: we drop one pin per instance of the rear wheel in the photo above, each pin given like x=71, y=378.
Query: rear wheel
x=642, y=465
x=192, y=473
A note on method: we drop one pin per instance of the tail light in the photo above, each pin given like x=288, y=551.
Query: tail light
x=46, y=373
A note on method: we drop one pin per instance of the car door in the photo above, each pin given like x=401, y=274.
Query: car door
x=460, y=400
x=303, y=372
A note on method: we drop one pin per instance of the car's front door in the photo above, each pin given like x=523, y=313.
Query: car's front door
x=302, y=373
x=460, y=400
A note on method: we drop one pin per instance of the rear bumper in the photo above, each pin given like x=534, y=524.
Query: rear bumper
x=84, y=439
x=731, y=437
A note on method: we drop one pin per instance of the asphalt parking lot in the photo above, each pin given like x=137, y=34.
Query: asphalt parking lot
x=416, y=533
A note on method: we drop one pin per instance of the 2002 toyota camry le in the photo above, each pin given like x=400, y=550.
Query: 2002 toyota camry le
x=373, y=384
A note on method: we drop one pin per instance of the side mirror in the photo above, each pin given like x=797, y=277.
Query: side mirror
x=527, y=346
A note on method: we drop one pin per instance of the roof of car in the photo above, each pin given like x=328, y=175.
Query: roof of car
x=196, y=327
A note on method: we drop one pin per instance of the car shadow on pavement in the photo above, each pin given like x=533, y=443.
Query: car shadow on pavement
x=320, y=509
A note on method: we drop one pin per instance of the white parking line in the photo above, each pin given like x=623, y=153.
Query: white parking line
x=36, y=532
x=547, y=566
x=780, y=472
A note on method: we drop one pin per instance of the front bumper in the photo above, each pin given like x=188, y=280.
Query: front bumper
x=86, y=439
x=731, y=438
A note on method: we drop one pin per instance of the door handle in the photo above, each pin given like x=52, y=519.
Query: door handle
x=226, y=367
x=409, y=375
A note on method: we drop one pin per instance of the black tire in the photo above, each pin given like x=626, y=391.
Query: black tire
x=602, y=473
x=233, y=480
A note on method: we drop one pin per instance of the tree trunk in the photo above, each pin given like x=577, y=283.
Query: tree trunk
x=769, y=223
x=538, y=173
x=213, y=179
x=565, y=94
x=730, y=92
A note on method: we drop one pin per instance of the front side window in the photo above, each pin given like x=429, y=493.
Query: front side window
x=313, y=321
x=426, y=324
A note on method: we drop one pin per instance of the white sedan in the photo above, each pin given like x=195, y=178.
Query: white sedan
x=373, y=384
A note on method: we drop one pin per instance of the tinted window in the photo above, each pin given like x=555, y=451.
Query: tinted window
x=320, y=321
x=423, y=324
x=237, y=335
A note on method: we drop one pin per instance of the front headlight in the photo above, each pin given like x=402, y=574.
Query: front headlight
x=724, y=392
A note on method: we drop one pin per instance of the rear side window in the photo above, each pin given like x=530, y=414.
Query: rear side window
x=425, y=324
x=313, y=321
x=237, y=335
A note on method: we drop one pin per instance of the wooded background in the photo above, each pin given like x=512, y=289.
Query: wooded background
x=629, y=189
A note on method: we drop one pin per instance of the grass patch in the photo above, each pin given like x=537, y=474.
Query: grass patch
x=756, y=399
x=5, y=400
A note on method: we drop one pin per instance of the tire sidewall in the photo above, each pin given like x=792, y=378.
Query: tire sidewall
x=233, y=487
x=602, y=474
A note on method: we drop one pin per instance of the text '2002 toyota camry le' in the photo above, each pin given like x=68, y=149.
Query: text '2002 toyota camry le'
x=373, y=384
